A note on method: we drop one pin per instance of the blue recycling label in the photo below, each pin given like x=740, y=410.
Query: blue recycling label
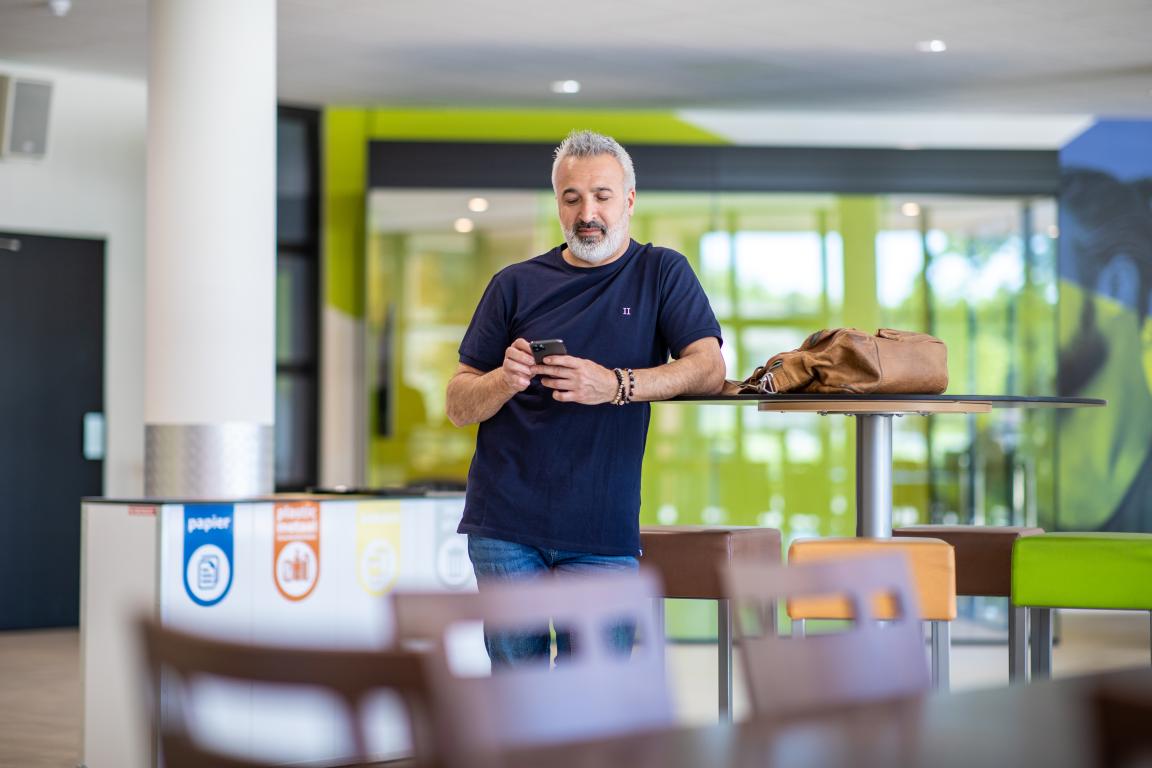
x=208, y=536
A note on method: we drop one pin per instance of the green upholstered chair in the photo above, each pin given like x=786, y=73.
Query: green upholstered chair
x=1111, y=571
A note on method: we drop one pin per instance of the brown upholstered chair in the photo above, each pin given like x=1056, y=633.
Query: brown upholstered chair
x=984, y=569
x=868, y=661
x=690, y=560
x=179, y=662
x=597, y=691
x=933, y=570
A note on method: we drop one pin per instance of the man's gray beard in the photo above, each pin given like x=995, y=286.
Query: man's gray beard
x=596, y=253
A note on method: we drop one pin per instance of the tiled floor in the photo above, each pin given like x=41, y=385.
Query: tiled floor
x=40, y=679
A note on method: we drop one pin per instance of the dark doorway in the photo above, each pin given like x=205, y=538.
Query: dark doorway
x=51, y=420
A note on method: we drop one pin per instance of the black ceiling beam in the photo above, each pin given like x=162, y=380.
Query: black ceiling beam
x=661, y=167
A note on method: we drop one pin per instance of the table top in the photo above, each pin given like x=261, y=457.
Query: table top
x=1047, y=723
x=886, y=404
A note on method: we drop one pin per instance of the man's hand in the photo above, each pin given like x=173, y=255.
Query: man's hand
x=576, y=380
x=475, y=396
x=518, y=367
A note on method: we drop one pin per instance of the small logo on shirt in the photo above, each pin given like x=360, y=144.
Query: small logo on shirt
x=626, y=311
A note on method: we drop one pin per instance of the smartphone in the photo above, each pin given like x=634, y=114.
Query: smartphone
x=545, y=347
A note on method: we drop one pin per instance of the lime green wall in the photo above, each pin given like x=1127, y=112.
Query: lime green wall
x=347, y=131
x=345, y=174
x=526, y=125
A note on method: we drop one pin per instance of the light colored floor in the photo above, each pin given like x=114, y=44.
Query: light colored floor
x=40, y=699
x=40, y=709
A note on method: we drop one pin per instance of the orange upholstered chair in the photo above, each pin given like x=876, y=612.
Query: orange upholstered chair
x=933, y=567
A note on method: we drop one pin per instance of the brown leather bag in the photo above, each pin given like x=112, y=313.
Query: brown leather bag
x=848, y=361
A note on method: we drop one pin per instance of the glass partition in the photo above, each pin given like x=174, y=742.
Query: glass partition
x=978, y=272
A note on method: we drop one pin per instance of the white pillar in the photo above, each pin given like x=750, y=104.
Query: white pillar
x=209, y=389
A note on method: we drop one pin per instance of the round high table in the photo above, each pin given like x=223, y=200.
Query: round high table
x=874, y=433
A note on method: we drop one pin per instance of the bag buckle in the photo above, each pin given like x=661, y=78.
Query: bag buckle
x=765, y=384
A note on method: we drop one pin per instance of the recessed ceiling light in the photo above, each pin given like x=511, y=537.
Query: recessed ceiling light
x=565, y=86
x=931, y=46
x=478, y=204
x=910, y=209
x=463, y=226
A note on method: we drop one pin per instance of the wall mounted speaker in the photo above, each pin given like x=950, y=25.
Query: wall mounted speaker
x=24, y=106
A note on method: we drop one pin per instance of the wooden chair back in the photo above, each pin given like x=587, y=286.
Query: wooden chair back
x=597, y=691
x=866, y=661
x=1121, y=711
x=177, y=661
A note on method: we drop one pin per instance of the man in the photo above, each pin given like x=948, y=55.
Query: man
x=555, y=481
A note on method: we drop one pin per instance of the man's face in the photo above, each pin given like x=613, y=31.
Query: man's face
x=594, y=209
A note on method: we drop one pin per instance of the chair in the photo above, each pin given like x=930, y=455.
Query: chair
x=794, y=676
x=594, y=692
x=1077, y=570
x=177, y=661
x=933, y=567
x=984, y=568
x=1121, y=712
x=689, y=559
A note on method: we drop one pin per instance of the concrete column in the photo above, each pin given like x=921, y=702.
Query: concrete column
x=209, y=389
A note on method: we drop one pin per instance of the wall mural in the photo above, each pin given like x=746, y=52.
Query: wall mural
x=1106, y=328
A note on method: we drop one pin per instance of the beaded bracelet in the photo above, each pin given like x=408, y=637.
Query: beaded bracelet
x=631, y=385
x=621, y=393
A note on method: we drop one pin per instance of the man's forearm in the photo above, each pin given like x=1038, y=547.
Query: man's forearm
x=698, y=371
x=474, y=397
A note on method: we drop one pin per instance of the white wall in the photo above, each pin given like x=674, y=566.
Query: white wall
x=91, y=184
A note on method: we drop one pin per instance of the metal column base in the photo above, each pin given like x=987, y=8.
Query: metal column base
x=874, y=475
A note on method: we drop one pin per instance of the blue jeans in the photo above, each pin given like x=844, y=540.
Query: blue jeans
x=496, y=560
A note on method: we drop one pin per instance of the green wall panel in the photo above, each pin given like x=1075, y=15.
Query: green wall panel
x=527, y=125
x=345, y=141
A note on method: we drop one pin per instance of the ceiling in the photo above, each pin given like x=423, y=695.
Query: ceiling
x=1003, y=56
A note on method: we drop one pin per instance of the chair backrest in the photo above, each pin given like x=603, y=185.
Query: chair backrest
x=866, y=661
x=177, y=661
x=594, y=692
x=1121, y=710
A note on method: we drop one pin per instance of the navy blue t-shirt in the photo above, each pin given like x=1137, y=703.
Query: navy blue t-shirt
x=565, y=475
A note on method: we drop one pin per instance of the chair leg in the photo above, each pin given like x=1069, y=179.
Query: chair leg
x=1041, y=643
x=724, y=656
x=659, y=629
x=941, y=655
x=1017, y=648
x=797, y=628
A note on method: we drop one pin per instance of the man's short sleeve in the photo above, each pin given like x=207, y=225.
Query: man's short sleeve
x=685, y=313
x=488, y=334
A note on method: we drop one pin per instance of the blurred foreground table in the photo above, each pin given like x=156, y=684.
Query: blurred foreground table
x=1051, y=723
